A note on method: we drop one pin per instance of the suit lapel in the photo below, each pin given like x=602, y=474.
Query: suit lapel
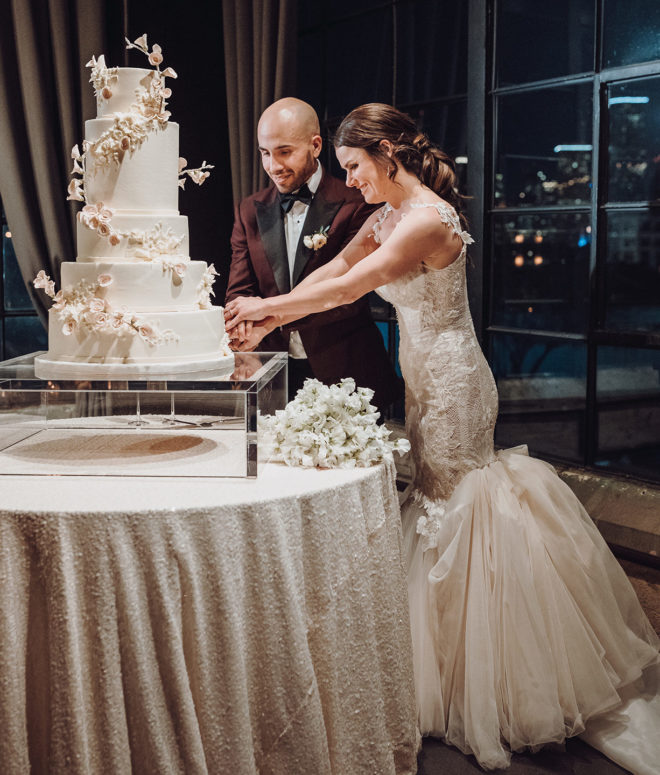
x=271, y=229
x=321, y=213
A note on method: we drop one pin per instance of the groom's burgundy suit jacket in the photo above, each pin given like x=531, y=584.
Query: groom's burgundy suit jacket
x=341, y=342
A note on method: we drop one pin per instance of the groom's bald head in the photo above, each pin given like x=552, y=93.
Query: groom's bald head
x=289, y=142
x=292, y=116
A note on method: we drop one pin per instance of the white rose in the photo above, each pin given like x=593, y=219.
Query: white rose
x=99, y=320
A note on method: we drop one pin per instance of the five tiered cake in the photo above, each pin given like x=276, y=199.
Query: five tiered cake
x=133, y=303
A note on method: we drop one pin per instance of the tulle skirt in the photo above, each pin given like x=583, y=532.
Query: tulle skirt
x=524, y=625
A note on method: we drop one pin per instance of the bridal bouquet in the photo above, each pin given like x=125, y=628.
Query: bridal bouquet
x=329, y=427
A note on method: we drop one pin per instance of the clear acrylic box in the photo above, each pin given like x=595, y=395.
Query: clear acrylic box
x=202, y=424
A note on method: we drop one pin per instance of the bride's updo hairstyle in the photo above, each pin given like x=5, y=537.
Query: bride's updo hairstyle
x=368, y=124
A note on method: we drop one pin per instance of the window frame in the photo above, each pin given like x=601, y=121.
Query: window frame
x=482, y=141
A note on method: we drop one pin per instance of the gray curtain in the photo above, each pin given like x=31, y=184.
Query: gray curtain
x=260, y=39
x=44, y=94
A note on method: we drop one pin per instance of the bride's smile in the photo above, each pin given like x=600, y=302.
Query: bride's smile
x=364, y=174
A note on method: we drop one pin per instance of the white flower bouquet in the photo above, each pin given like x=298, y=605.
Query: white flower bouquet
x=328, y=427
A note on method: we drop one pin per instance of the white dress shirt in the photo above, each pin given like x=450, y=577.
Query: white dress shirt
x=293, y=225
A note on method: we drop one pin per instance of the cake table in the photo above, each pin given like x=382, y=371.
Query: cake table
x=182, y=625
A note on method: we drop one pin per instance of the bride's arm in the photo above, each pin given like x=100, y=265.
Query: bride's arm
x=415, y=237
x=359, y=247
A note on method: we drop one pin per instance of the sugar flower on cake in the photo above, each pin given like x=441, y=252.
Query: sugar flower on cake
x=328, y=427
x=205, y=288
x=154, y=243
x=75, y=191
x=83, y=307
x=197, y=175
x=98, y=217
x=42, y=280
x=102, y=77
x=317, y=239
x=156, y=57
x=151, y=103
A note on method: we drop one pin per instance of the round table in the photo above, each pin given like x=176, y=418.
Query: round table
x=223, y=626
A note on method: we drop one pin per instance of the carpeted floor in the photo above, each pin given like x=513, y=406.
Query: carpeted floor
x=576, y=758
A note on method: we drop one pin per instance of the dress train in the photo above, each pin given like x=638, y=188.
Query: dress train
x=524, y=625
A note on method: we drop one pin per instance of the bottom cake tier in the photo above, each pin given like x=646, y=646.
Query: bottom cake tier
x=148, y=344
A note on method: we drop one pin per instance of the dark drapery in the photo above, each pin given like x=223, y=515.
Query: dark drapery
x=44, y=94
x=260, y=39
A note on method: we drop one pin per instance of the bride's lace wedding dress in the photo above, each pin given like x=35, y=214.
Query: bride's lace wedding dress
x=524, y=625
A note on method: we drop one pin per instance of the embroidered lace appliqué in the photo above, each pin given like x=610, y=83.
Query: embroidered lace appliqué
x=451, y=399
x=384, y=212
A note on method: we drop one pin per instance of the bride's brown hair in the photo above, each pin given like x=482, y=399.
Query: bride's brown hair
x=368, y=124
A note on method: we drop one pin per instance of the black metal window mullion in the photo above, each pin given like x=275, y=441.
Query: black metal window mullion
x=596, y=269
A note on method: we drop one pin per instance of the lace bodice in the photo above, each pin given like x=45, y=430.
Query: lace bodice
x=451, y=399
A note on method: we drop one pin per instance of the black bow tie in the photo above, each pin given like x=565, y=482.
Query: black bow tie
x=303, y=194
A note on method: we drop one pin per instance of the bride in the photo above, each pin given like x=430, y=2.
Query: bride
x=524, y=625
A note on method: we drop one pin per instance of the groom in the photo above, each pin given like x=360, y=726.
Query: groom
x=269, y=257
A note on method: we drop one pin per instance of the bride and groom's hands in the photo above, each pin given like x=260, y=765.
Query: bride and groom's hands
x=245, y=322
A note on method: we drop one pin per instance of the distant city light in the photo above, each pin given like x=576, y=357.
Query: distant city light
x=8, y=234
x=627, y=100
x=519, y=238
x=461, y=160
x=519, y=260
x=538, y=260
x=538, y=238
x=530, y=309
x=584, y=147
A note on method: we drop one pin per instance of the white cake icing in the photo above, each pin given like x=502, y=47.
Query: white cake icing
x=133, y=303
x=130, y=81
x=141, y=286
x=147, y=180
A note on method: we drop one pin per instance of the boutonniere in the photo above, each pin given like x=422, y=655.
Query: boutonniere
x=317, y=239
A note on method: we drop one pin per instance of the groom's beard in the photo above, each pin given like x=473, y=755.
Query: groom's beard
x=290, y=180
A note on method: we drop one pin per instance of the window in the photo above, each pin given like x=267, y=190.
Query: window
x=572, y=229
x=21, y=330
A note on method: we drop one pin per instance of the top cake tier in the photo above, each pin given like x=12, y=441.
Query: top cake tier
x=130, y=81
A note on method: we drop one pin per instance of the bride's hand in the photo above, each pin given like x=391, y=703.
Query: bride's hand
x=244, y=308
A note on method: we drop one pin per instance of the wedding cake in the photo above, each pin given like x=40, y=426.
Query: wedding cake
x=133, y=302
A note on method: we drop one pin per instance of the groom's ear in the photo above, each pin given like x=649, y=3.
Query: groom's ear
x=386, y=147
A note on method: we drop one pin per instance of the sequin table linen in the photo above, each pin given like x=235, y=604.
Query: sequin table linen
x=229, y=627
